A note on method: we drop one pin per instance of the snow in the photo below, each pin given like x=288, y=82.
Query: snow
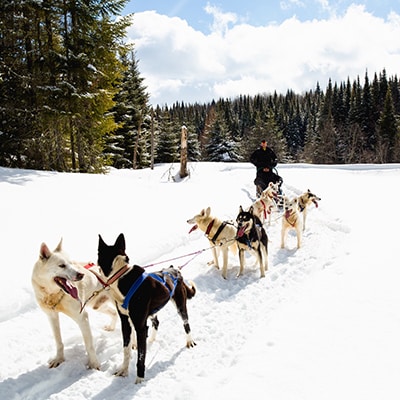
x=323, y=324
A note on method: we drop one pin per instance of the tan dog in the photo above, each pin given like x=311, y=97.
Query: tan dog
x=221, y=235
x=291, y=219
x=305, y=200
x=265, y=204
x=63, y=286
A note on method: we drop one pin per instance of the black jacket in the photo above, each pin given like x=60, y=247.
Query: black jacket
x=264, y=158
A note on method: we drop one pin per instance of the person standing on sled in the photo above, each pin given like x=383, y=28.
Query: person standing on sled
x=265, y=160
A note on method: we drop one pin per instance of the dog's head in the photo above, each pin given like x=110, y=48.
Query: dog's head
x=290, y=206
x=271, y=191
x=107, y=253
x=199, y=219
x=57, y=266
x=312, y=198
x=245, y=221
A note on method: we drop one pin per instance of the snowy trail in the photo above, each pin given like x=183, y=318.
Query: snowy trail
x=239, y=324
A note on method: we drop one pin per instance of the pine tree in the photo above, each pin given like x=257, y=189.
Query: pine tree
x=168, y=140
x=388, y=129
x=129, y=147
x=59, y=63
x=221, y=147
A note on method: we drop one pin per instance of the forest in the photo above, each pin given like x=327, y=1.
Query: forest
x=72, y=99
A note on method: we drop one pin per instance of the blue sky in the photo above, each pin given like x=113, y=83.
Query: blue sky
x=193, y=50
x=258, y=12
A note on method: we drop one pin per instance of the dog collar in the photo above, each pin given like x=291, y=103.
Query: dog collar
x=117, y=275
x=209, y=227
x=112, y=279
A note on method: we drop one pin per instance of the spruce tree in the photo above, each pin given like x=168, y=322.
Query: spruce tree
x=388, y=131
x=129, y=147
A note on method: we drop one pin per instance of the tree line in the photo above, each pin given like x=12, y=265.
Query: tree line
x=72, y=99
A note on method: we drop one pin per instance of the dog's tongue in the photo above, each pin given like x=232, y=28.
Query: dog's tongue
x=66, y=285
x=316, y=203
x=193, y=228
x=287, y=213
x=241, y=231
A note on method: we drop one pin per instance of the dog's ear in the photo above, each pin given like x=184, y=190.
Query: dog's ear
x=102, y=243
x=251, y=210
x=45, y=252
x=240, y=209
x=120, y=242
x=59, y=246
x=208, y=211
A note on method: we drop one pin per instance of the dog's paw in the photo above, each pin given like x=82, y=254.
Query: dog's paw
x=56, y=362
x=139, y=380
x=94, y=364
x=190, y=343
x=121, y=372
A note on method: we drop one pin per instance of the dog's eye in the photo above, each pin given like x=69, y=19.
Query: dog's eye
x=62, y=266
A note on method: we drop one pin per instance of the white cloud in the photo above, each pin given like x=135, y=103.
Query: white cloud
x=182, y=64
x=221, y=20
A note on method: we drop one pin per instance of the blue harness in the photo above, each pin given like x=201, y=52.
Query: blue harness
x=141, y=279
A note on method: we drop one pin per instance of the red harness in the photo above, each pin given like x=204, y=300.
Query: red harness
x=265, y=209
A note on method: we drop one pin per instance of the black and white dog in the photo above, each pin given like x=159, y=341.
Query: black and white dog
x=139, y=295
x=251, y=236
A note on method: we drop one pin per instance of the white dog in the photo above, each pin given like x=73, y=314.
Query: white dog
x=221, y=234
x=265, y=204
x=61, y=285
x=291, y=219
x=305, y=200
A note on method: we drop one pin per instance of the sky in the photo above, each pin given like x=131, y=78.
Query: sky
x=323, y=324
x=196, y=51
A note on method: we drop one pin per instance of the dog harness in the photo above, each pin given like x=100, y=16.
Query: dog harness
x=219, y=230
x=141, y=279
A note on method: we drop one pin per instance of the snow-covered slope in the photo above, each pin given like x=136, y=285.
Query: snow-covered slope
x=323, y=324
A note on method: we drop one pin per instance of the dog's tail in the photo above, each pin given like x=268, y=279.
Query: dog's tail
x=190, y=290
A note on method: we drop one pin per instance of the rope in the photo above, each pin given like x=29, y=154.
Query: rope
x=194, y=254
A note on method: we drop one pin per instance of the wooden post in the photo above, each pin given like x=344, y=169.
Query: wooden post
x=183, y=173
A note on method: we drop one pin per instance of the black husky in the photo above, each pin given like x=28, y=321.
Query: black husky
x=139, y=295
x=251, y=236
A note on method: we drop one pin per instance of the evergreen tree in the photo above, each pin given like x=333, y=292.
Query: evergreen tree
x=59, y=68
x=388, y=129
x=130, y=145
x=168, y=140
x=221, y=147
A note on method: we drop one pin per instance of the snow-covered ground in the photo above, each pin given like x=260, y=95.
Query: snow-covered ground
x=323, y=324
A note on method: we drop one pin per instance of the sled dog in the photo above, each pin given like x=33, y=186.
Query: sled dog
x=139, y=296
x=266, y=204
x=291, y=220
x=221, y=235
x=62, y=286
x=305, y=200
x=251, y=236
